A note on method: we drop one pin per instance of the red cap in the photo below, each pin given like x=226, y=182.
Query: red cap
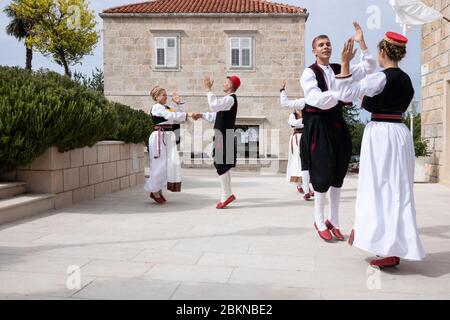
x=236, y=81
x=396, y=38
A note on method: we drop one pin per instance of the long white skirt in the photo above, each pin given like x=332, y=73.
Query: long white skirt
x=165, y=164
x=294, y=167
x=385, y=222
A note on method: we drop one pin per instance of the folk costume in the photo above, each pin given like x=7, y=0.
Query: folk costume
x=326, y=140
x=385, y=222
x=223, y=115
x=295, y=171
x=165, y=164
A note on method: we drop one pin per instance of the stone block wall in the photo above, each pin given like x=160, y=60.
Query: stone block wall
x=84, y=174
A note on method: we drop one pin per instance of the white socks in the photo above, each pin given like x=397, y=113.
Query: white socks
x=305, y=181
x=334, y=197
x=225, y=183
x=319, y=207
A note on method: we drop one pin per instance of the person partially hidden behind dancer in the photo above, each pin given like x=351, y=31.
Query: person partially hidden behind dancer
x=165, y=165
x=327, y=137
x=223, y=115
x=297, y=170
x=385, y=223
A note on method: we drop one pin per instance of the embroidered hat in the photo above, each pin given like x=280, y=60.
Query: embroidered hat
x=396, y=39
x=236, y=81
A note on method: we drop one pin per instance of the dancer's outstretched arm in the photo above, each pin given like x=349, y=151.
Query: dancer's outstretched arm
x=298, y=104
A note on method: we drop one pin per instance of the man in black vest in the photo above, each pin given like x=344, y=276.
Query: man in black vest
x=326, y=143
x=223, y=115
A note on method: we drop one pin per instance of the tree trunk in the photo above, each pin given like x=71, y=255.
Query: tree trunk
x=66, y=66
x=29, y=58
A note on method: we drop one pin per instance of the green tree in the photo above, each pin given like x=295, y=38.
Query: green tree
x=420, y=145
x=95, y=81
x=63, y=29
x=356, y=127
x=20, y=29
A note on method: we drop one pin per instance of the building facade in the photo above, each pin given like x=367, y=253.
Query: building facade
x=174, y=44
x=436, y=93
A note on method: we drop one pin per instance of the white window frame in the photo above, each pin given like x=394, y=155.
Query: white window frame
x=240, y=39
x=177, y=52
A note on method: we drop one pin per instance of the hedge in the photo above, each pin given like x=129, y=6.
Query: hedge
x=42, y=109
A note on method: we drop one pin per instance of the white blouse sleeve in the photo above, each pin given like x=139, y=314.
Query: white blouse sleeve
x=209, y=116
x=220, y=104
x=159, y=110
x=366, y=66
x=313, y=95
x=298, y=104
x=296, y=123
x=349, y=90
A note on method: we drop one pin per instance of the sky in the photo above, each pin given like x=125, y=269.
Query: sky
x=332, y=17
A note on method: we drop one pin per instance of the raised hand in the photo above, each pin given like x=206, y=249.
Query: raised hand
x=283, y=84
x=348, y=53
x=176, y=98
x=208, y=83
x=359, y=36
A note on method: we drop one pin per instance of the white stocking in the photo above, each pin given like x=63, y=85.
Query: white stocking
x=334, y=198
x=305, y=181
x=319, y=208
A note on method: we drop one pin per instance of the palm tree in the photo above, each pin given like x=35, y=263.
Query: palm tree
x=19, y=28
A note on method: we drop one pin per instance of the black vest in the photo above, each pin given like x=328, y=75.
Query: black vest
x=157, y=120
x=396, y=96
x=227, y=119
x=335, y=112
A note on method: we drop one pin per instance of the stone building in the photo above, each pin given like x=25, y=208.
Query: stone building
x=436, y=93
x=174, y=43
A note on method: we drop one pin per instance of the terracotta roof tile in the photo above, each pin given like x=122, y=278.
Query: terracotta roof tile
x=206, y=6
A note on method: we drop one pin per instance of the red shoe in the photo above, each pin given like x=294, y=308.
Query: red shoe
x=336, y=232
x=307, y=196
x=162, y=197
x=325, y=235
x=389, y=262
x=223, y=205
x=157, y=200
x=352, y=238
x=300, y=190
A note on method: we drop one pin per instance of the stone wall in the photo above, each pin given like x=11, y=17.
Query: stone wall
x=435, y=92
x=278, y=54
x=83, y=174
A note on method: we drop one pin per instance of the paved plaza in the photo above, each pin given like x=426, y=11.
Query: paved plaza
x=124, y=246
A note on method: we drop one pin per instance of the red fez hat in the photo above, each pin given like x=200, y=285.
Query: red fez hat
x=236, y=81
x=396, y=39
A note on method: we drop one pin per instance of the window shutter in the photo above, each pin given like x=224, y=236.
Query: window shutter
x=160, y=52
x=171, y=53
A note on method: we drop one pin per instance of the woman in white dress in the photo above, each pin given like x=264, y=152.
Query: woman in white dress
x=295, y=171
x=165, y=164
x=385, y=222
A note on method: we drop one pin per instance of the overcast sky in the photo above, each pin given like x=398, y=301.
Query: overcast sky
x=332, y=17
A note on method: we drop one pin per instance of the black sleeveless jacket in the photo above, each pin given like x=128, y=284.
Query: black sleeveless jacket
x=396, y=96
x=227, y=119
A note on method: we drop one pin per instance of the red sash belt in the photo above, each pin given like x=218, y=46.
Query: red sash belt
x=385, y=117
x=161, y=130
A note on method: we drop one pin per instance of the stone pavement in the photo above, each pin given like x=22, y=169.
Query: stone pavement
x=262, y=247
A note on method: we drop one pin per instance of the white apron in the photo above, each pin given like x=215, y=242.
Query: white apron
x=165, y=164
x=385, y=222
x=294, y=167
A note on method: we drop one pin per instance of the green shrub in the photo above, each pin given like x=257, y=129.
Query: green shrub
x=134, y=126
x=43, y=109
x=420, y=145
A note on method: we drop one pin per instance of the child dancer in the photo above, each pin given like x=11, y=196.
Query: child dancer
x=165, y=165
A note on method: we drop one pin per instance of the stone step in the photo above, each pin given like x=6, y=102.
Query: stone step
x=11, y=189
x=24, y=206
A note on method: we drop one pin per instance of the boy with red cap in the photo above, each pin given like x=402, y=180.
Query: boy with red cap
x=223, y=115
x=385, y=222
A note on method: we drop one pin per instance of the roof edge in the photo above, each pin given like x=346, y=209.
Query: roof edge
x=203, y=15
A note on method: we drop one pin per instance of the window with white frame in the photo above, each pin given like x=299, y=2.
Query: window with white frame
x=241, y=52
x=166, y=49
